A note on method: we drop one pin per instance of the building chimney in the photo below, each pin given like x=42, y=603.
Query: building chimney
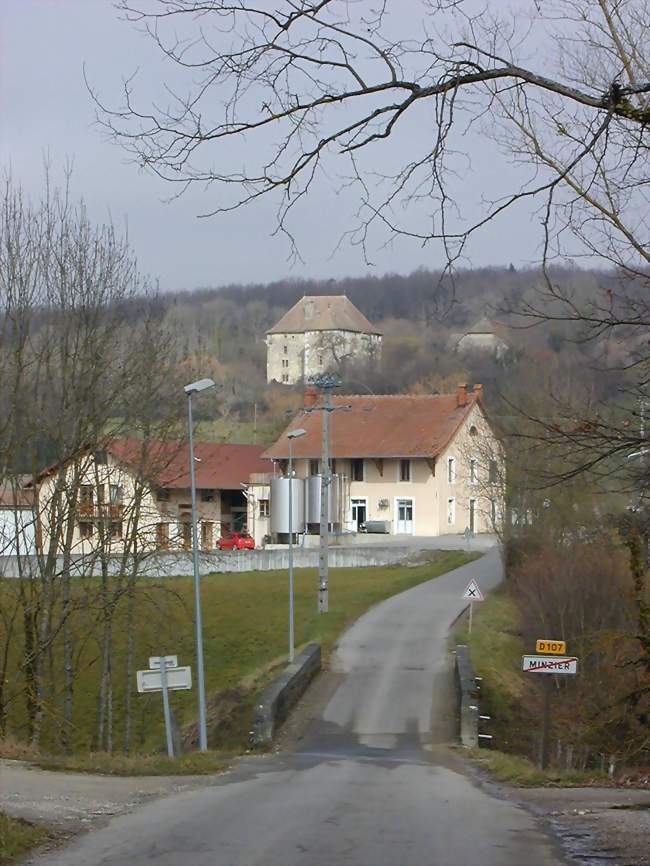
x=478, y=392
x=310, y=397
x=462, y=395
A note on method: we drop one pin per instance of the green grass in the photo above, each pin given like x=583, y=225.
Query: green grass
x=17, y=837
x=496, y=649
x=245, y=640
x=520, y=771
x=190, y=764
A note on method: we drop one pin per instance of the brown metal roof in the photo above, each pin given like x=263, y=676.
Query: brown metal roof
x=380, y=426
x=217, y=465
x=323, y=313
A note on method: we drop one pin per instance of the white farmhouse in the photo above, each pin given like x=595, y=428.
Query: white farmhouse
x=317, y=334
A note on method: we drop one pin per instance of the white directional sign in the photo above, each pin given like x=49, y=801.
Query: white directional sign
x=550, y=665
x=177, y=678
x=170, y=661
x=472, y=591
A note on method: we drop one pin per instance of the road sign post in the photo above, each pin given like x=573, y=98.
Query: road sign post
x=472, y=593
x=164, y=676
x=554, y=662
x=166, y=712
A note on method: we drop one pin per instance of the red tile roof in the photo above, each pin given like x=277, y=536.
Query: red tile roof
x=217, y=465
x=380, y=426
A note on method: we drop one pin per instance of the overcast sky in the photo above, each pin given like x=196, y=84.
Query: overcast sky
x=47, y=113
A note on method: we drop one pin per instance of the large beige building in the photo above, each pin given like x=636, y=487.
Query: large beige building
x=415, y=465
x=319, y=333
x=131, y=497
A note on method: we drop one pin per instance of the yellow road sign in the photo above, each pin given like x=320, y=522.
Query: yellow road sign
x=555, y=647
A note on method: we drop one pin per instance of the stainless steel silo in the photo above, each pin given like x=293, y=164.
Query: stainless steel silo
x=280, y=505
x=312, y=511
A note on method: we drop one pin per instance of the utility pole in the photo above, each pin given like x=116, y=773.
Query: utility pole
x=325, y=382
x=326, y=481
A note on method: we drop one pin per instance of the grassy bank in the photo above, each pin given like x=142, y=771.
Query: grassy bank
x=245, y=638
x=512, y=700
x=17, y=837
x=516, y=770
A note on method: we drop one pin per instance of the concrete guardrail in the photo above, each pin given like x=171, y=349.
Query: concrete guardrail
x=468, y=697
x=282, y=695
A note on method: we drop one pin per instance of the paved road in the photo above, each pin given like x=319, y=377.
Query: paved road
x=369, y=786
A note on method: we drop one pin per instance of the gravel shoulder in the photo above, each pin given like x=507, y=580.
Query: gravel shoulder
x=595, y=825
x=70, y=802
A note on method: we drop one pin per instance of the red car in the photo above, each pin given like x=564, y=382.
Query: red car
x=237, y=541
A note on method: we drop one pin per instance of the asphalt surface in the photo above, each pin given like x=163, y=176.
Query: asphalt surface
x=370, y=783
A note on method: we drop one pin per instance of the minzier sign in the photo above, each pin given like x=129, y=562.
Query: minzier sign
x=546, y=665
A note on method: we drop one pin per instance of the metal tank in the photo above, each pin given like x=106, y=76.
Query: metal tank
x=312, y=512
x=280, y=505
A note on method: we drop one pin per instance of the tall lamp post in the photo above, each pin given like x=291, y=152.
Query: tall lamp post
x=196, y=388
x=291, y=435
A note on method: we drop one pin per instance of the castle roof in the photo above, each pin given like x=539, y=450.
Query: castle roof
x=323, y=313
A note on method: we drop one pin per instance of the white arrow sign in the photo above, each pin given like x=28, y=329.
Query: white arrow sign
x=177, y=678
x=472, y=591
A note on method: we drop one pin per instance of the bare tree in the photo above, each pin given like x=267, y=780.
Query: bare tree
x=85, y=358
x=317, y=89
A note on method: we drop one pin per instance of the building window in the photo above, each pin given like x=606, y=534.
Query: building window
x=286, y=349
x=356, y=469
x=473, y=431
x=115, y=494
x=86, y=529
x=473, y=471
x=314, y=467
x=320, y=360
x=101, y=458
x=285, y=377
x=494, y=471
x=333, y=467
x=493, y=512
x=86, y=497
x=162, y=535
x=405, y=470
x=207, y=496
x=451, y=470
x=116, y=528
x=162, y=495
x=206, y=535
x=451, y=511
x=264, y=508
x=186, y=535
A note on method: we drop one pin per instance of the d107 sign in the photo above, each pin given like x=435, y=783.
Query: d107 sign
x=546, y=665
x=556, y=647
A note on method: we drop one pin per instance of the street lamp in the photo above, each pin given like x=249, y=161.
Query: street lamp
x=291, y=435
x=196, y=388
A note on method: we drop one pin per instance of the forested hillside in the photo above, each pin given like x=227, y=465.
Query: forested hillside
x=222, y=331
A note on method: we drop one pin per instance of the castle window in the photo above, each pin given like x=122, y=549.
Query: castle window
x=286, y=349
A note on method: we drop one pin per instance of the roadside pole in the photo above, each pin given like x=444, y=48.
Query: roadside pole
x=546, y=723
x=166, y=710
x=325, y=482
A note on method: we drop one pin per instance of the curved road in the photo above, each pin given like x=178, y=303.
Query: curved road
x=370, y=784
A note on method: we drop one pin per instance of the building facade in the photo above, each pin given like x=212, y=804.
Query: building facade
x=318, y=334
x=132, y=497
x=412, y=465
